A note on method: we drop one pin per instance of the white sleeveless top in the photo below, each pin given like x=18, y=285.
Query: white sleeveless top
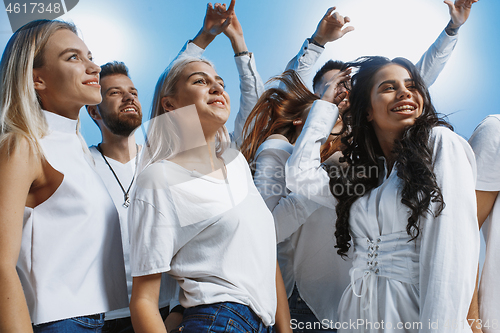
x=71, y=260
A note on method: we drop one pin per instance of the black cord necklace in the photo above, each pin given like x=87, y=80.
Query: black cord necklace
x=126, y=196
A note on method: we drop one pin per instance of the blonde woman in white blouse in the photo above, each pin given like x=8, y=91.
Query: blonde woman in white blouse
x=57, y=220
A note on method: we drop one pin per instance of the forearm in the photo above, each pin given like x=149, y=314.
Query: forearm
x=14, y=314
x=203, y=39
x=304, y=173
x=173, y=320
x=145, y=316
x=291, y=213
x=282, y=322
x=251, y=87
x=435, y=58
x=238, y=44
x=473, y=315
x=305, y=60
x=144, y=310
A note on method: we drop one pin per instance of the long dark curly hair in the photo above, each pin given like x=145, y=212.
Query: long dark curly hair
x=413, y=153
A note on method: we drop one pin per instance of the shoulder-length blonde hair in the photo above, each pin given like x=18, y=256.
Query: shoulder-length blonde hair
x=162, y=141
x=21, y=113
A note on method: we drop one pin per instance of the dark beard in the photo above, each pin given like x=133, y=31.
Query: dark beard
x=122, y=124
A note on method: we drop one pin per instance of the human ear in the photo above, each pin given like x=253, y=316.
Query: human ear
x=38, y=81
x=167, y=103
x=369, y=115
x=93, y=113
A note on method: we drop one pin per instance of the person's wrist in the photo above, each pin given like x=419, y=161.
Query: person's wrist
x=239, y=45
x=452, y=29
x=318, y=41
x=203, y=38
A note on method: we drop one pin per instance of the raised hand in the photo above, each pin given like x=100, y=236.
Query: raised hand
x=334, y=91
x=217, y=18
x=459, y=12
x=234, y=29
x=234, y=32
x=331, y=27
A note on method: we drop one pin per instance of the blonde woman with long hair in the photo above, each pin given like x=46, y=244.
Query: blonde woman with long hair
x=61, y=263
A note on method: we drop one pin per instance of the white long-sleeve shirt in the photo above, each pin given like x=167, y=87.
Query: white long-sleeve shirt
x=424, y=281
x=430, y=64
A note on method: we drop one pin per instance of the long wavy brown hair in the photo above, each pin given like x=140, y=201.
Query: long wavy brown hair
x=275, y=112
x=361, y=150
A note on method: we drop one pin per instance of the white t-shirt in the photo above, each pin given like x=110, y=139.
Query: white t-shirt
x=125, y=173
x=485, y=142
x=215, y=237
x=71, y=262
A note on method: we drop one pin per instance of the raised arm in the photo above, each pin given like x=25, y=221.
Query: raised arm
x=217, y=19
x=251, y=85
x=331, y=27
x=19, y=171
x=304, y=172
x=435, y=58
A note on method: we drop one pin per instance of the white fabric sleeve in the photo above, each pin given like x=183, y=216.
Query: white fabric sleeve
x=290, y=210
x=290, y=213
x=304, y=173
x=434, y=59
x=190, y=49
x=156, y=233
x=450, y=242
x=251, y=88
x=305, y=60
x=151, y=239
x=485, y=142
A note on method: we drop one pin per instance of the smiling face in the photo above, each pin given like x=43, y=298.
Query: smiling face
x=200, y=85
x=395, y=102
x=120, y=108
x=68, y=78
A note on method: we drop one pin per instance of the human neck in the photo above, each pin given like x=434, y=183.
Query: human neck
x=71, y=113
x=118, y=147
x=386, y=143
x=202, y=159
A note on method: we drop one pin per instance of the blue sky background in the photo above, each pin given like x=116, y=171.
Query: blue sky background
x=147, y=35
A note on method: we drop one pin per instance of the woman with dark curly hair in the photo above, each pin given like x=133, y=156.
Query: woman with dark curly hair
x=405, y=200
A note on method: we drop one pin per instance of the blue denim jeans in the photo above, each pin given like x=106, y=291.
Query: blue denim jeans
x=85, y=324
x=124, y=325
x=222, y=317
x=303, y=319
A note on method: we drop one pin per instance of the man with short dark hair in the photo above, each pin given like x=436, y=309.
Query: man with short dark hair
x=117, y=116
